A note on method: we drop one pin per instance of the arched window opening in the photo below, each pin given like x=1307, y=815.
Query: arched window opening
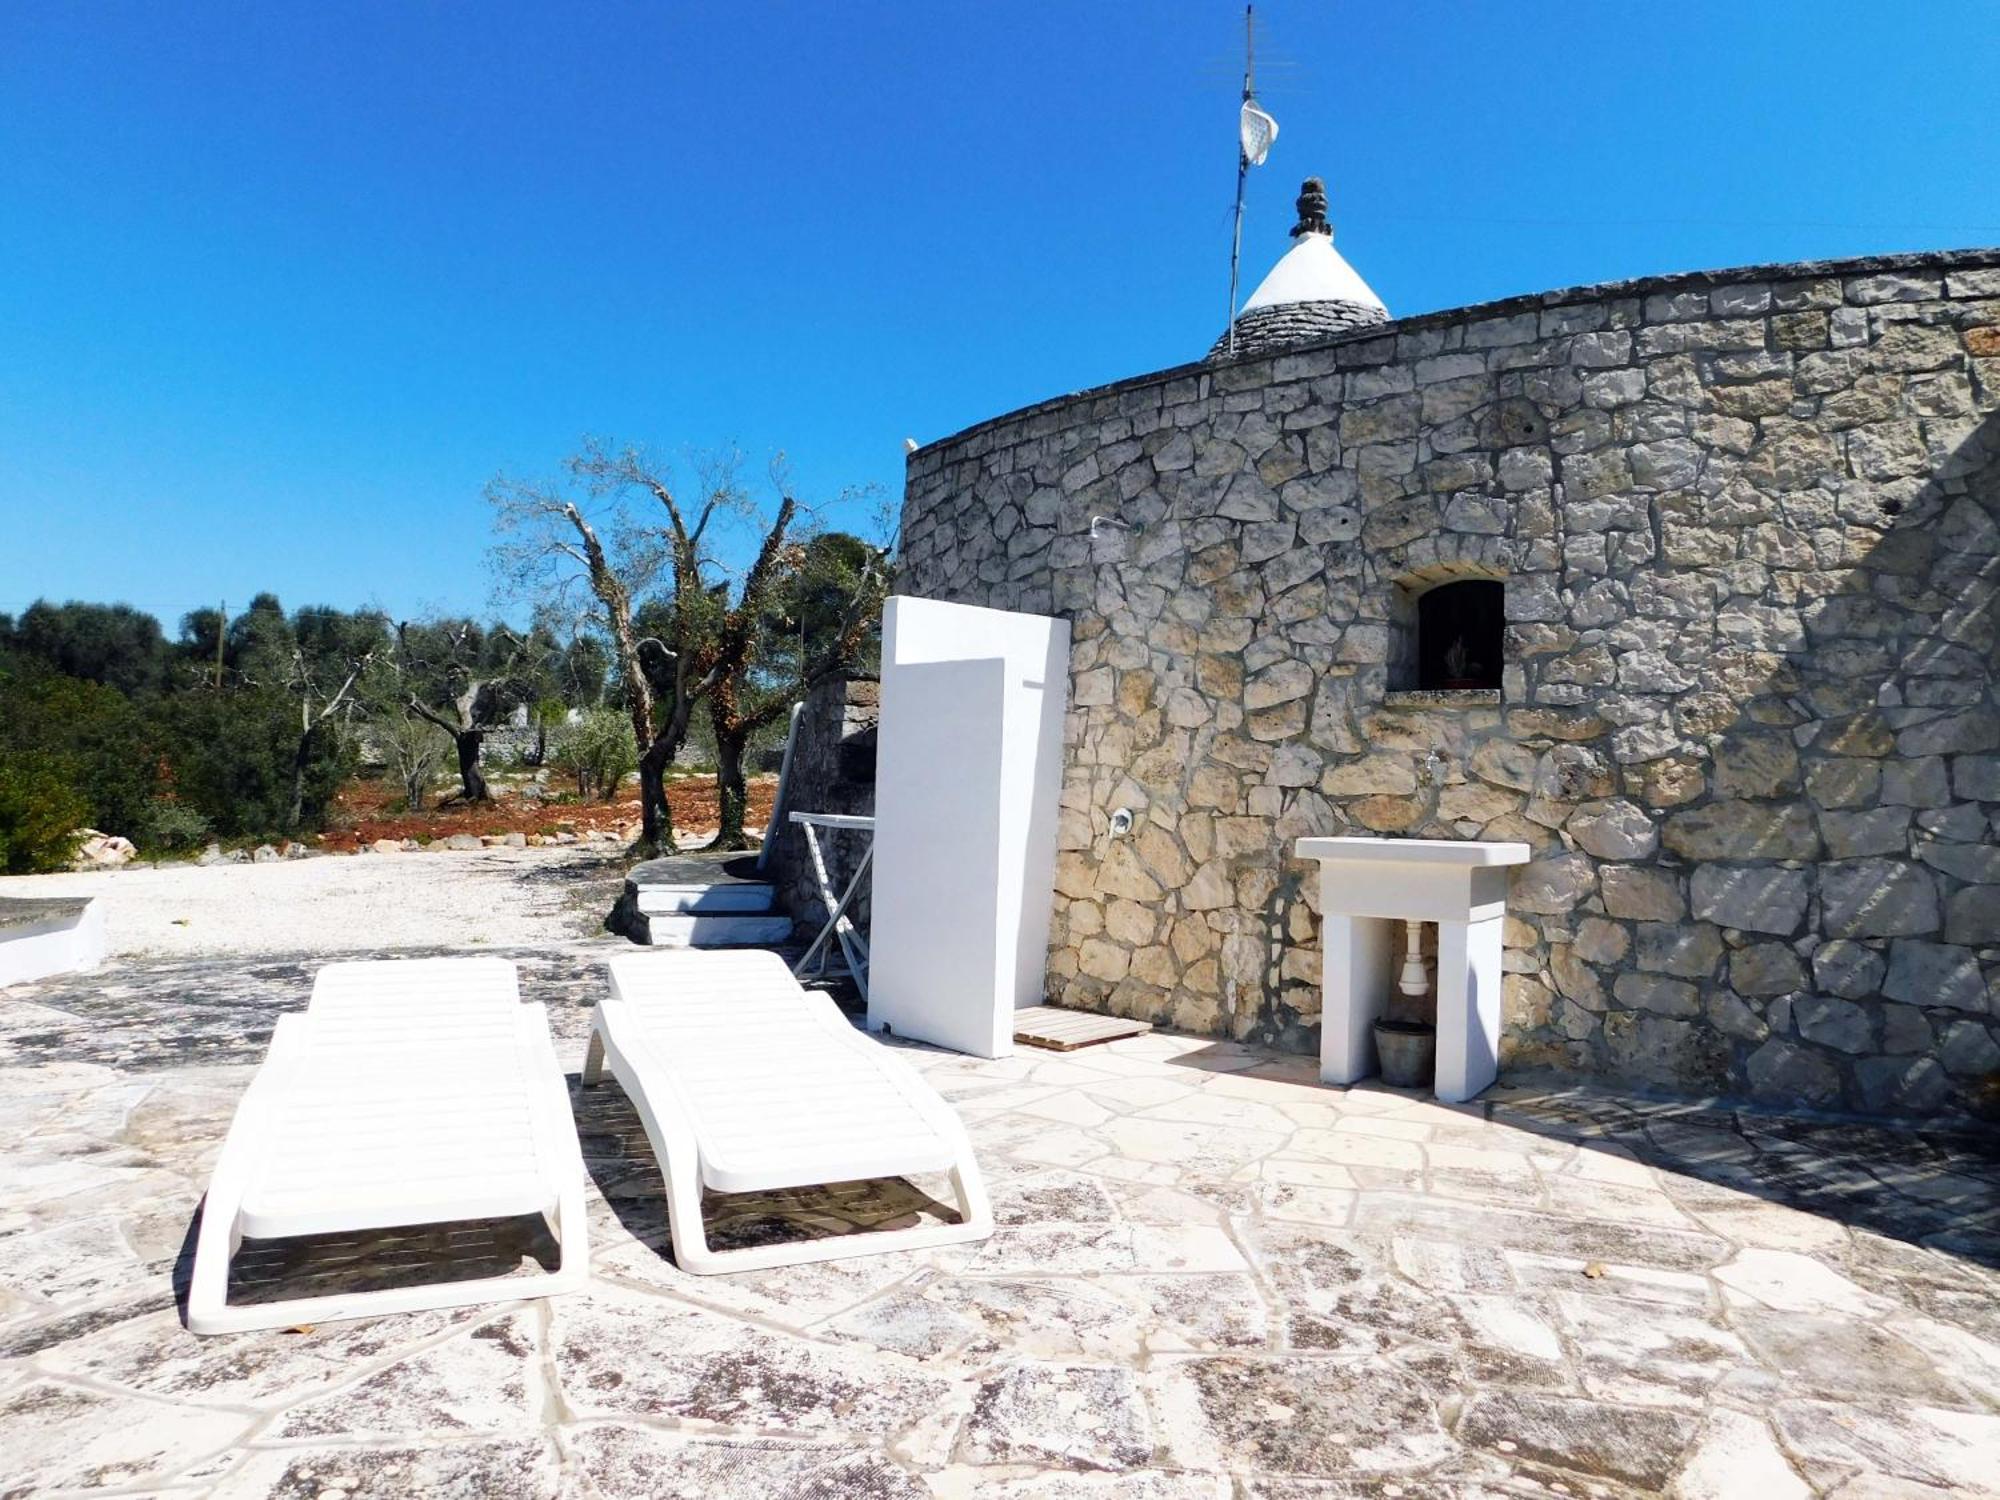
x=1460, y=631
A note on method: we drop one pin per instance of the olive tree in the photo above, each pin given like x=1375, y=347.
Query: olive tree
x=703, y=636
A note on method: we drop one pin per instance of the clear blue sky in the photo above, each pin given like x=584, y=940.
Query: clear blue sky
x=282, y=285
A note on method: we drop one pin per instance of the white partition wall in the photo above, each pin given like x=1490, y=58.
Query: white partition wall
x=968, y=770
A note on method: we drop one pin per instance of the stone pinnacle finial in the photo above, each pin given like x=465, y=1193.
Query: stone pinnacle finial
x=1312, y=209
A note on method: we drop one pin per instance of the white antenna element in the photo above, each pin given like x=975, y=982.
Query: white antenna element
x=1257, y=131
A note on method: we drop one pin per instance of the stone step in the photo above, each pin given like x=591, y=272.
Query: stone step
x=741, y=898
x=697, y=930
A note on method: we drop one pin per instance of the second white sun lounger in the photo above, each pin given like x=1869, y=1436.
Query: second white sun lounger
x=412, y=1092
x=747, y=1082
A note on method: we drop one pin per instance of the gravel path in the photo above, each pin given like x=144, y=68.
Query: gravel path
x=495, y=898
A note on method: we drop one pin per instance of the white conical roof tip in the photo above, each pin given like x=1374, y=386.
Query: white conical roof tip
x=1311, y=294
x=1312, y=270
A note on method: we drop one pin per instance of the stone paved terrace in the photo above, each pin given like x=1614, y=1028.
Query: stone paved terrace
x=1213, y=1279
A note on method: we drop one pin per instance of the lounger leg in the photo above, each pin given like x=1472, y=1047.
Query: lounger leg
x=593, y=1059
x=215, y=1245
x=691, y=1252
x=975, y=1213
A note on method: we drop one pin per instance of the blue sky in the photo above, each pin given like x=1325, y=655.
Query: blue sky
x=283, y=285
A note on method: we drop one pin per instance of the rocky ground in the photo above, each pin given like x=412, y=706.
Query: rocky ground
x=479, y=898
x=368, y=811
x=1213, y=1278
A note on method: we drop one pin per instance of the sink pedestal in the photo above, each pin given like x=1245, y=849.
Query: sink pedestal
x=1367, y=887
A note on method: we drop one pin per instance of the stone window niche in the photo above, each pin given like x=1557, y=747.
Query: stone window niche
x=1449, y=642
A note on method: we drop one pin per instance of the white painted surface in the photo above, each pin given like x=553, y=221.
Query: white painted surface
x=1313, y=271
x=413, y=1091
x=738, y=897
x=745, y=1083
x=968, y=774
x=713, y=930
x=1367, y=886
x=61, y=945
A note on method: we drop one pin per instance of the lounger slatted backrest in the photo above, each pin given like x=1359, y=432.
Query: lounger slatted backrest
x=746, y=1082
x=408, y=1093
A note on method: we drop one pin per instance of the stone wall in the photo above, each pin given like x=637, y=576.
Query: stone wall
x=833, y=771
x=1749, y=527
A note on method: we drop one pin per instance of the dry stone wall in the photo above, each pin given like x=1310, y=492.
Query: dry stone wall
x=833, y=771
x=1749, y=528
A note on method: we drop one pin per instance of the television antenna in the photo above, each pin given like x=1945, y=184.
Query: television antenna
x=1255, y=133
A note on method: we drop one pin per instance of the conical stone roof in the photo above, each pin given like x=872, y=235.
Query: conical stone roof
x=1311, y=294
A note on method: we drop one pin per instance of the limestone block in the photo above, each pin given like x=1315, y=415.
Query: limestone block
x=1552, y=886
x=1281, y=682
x=1915, y=783
x=1877, y=898
x=1652, y=992
x=1101, y=958
x=1880, y=830
x=1934, y=974
x=1843, y=782
x=1691, y=951
x=1839, y=1024
x=1976, y=777
x=1976, y=730
x=1751, y=899
x=1784, y=1072
x=1979, y=863
x=1602, y=942
x=1766, y=969
x=1742, y=830
x=1505, y=763
x=1756, y=765
x=1972, y=915
x=1633, y=891
x=1122, y=874
x=1375, y=774
x=1614, y=830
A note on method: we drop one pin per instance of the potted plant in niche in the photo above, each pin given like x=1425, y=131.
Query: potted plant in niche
x=1460, y=670
x=1405, y=1036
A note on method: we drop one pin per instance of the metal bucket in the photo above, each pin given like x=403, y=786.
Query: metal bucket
x=1407, y=1051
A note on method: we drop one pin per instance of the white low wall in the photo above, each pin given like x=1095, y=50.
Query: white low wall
x=968, y=778
x=59, y=945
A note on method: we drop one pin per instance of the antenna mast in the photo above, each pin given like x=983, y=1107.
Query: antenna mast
x=1242, y=164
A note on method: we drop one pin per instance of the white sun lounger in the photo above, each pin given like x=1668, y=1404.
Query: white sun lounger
x=746, y=1082
x=412, y=1092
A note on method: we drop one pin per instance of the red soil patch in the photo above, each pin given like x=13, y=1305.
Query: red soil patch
x=362, y=813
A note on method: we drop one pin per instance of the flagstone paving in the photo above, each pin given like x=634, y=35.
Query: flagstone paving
x=1213, y=1280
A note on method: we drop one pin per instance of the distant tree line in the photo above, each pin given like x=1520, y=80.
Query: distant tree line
x=666, y=617
x=245, y=728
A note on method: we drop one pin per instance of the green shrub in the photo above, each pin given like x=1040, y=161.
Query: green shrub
x=40, y=813
x=596, y=752
x=233, y=756
x=96, y=740
x=169, y=827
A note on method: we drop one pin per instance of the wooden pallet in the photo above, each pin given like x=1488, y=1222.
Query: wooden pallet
x=1066, y=1030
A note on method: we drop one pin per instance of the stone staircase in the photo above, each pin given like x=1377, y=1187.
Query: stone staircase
x=700, y=901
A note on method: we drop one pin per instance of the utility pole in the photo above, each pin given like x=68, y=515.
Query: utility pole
x=1242, y=163
x=221, y=634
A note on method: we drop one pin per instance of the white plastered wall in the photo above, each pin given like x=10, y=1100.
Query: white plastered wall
x=968, y=776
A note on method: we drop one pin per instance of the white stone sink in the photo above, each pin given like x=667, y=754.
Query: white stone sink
x=1415, y=851
x=1367, y=886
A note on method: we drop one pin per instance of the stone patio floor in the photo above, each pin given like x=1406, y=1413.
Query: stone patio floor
x=1214, y=1278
